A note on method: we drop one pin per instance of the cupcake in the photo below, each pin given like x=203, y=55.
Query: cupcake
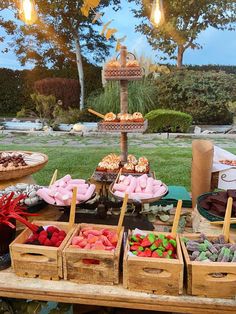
x=110, y=117
x=132, y=159
x=113, y=64
x=126, y=117
x=132, y=64
x=102, y=166
x=113, y=166
x=143, y=160
x=138, y=117
x=128, y=167
x=141, y=168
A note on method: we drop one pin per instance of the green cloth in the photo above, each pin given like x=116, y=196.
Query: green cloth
x=176, y=193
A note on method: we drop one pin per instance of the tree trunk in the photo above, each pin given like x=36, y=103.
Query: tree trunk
x=180, y=56
x=80, y=70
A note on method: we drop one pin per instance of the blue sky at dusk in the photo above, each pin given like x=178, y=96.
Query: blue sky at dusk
x=219, y=47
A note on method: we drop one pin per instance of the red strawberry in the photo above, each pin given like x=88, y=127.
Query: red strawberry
x=54, y=240
x=42, y=239
x=48, y=242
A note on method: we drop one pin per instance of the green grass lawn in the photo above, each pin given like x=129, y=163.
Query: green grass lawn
x=171, y=164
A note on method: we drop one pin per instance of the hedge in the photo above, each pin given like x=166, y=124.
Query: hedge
x=16, y=86
x=171, y=121
x=204, y=95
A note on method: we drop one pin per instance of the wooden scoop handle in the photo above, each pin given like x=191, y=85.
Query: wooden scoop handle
x=96, y=113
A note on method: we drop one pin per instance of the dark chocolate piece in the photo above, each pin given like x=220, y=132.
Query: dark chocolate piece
x=232, y=193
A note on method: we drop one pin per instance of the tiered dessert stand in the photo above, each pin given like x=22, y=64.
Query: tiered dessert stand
x=124, y=74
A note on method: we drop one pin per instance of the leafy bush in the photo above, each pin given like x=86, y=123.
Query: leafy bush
x=204, y=95
x=85, y=116
x=162, y=120
x=141, y=97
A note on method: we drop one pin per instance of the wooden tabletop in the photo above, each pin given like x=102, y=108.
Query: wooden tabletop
x=115, y=296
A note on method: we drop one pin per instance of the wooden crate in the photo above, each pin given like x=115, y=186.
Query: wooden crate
x=201, y=278
x=105, y=269
x=33, y=261
x=153, y=275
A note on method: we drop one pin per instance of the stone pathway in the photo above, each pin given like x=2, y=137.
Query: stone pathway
x=140, y=140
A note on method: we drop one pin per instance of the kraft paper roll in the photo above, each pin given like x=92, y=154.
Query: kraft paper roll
x=202, y=161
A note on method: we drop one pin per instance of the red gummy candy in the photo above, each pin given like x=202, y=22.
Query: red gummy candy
x=54, y=240
x=141, y=254
x=148, y=252
x=58, y=243
x=48, y=242
x=62, y=233
x=43, y=232
x=42, y=239
x=52, y=229
x=154, y=254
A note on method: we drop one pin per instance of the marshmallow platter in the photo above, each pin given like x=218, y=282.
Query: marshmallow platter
x=60, y=192
x=140, y=189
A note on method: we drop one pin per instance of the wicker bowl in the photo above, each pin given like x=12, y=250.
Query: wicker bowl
x=22, y=171
x=143, y=201
x=206, y=213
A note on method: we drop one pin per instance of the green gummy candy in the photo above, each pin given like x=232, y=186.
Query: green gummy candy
x=134, y=238
x=165, y=242
x=173, y=242
x=153, y=247
x=159, y=252
x=135, y=252
x=131, y=243
x=151, y=237
x=161, y=236
x=161, y=248
x=202, y=247
x=140, y=248
x=169, y=252
x=184, y=239
x=202, y=256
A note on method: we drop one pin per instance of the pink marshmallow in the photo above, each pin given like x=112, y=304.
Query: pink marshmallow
x=43, y=193
x=77, y=181
x=120, y=186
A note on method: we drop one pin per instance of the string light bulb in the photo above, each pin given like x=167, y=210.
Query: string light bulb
x=28, y=13
x=157, y=17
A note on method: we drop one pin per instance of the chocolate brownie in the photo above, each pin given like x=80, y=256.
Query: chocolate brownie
x=220, y=199
x=232, y=193
x=219, y=209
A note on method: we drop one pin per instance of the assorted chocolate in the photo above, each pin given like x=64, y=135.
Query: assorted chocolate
x=216, y=203
x=11, y=160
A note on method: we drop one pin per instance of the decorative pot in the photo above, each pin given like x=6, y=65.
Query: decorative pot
x=7, y=235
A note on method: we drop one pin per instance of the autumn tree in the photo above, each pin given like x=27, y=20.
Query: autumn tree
x=61, y=35
x=184, y=21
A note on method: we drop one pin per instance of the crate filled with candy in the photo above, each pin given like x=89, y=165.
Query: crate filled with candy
x=92, y=255
x=153, y=263
x=211, y=265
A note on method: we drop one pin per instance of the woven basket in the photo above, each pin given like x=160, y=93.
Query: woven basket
x=129, y=127
x=125, y=73
x=21, y=171
x=111, y=176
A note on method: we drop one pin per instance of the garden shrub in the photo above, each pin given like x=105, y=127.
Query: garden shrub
x=162, y=120
x=204, y=95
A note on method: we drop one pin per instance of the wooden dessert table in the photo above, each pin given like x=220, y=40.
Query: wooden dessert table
x=113, y=296
x=12, y=286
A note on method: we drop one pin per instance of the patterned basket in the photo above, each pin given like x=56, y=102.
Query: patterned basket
x=111, y=176
x=125, y=73
x=129, y=127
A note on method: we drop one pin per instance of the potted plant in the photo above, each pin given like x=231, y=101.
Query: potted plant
x=11, y=210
